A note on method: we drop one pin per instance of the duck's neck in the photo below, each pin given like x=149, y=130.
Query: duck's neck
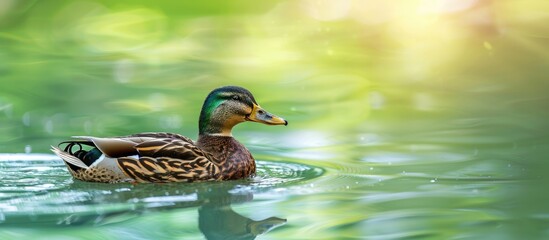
x=235, y=160
x=215, y=126
x=212, y=127
x=220, y=146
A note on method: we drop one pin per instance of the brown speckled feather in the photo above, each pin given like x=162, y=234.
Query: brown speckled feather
x=170, y=160
x=234, y=160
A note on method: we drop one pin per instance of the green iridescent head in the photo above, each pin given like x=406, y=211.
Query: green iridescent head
x=227, y=106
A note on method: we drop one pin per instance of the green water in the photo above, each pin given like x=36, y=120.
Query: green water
x=406, y=121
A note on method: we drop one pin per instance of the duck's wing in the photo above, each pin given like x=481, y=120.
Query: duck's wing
x=162, y=135
x=126, y=145
x=169, y=160
x=122, y=156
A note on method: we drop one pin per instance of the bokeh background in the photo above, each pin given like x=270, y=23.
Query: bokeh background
x=103, y=67
x=420, y=89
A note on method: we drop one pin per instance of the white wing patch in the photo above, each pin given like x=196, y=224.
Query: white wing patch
x=69, y=158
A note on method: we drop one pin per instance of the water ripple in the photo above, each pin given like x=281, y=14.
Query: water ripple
x=40, y=184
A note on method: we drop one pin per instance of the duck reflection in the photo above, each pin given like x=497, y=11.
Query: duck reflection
x=216, y=218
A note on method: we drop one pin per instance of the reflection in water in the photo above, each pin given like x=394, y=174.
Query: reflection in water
x=216, y=218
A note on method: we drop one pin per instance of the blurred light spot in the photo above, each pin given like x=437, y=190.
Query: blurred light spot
x=88, y=125
x=306, y=145
x=5, y=6
x=48, y=126
x=304, y=139
x=423, y=102
x=123, y=70
x=368, y=139
x=388, y=158
x=28, y=149
x=417, y=70
x=327, y=10
x=130, y=105
x=7, y=109
x=157, y=101
x=26, y=119
x=171, y=199
x=372, y=11
x=7, y=208
x=377, y=100
x=171, y=122
x=446, y=6
x=262, y=53
x=487, y=45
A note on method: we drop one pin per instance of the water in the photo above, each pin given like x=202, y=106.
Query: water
x=394, y=190
x=406, y=120
x=50, y=199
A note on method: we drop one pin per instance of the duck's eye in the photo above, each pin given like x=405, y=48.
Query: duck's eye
x=236, y=98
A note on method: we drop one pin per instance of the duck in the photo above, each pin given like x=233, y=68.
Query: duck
x=160, y=157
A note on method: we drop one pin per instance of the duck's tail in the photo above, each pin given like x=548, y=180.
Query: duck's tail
x=91, y=166
x=70, y=160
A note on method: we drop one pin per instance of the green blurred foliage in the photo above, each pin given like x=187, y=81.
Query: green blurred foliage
x=116, y=67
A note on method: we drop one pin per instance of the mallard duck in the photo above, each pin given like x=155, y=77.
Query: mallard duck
x=170, y=157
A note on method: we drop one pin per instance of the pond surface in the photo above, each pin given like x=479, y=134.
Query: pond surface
x=406, y=121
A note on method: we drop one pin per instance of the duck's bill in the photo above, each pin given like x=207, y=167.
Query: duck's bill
x=261, y=116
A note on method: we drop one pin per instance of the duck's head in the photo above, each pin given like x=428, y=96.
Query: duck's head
x=227, y=106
